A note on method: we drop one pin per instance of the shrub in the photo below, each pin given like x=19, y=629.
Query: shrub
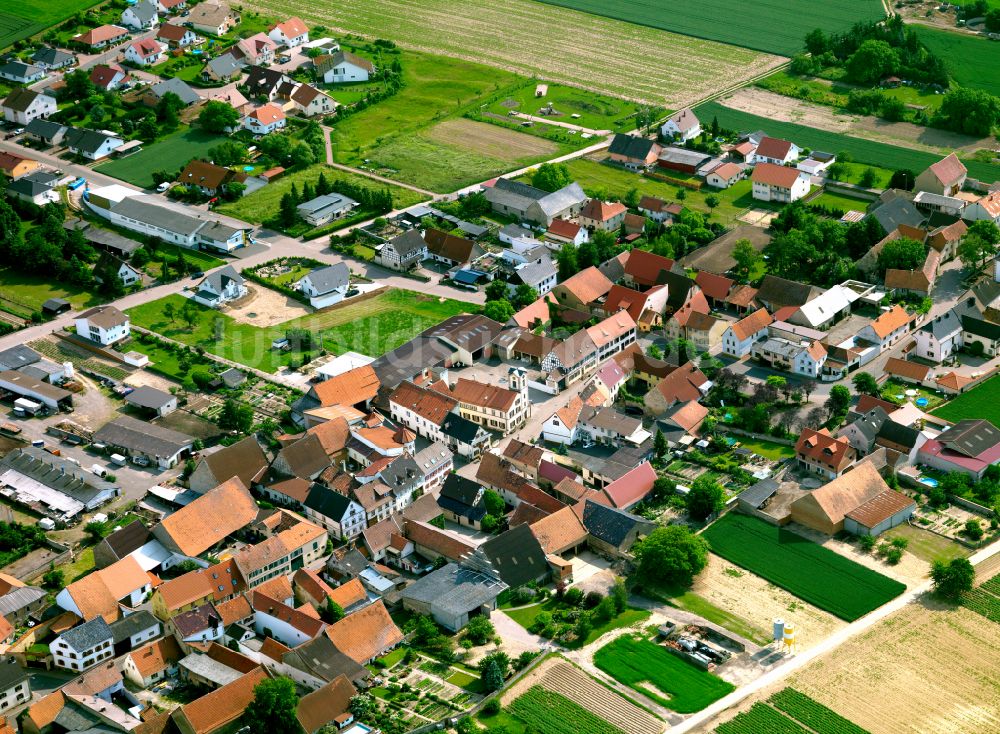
x=491, y=707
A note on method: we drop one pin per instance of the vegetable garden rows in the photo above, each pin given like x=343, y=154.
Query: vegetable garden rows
x=556, y=714
x=985, y=600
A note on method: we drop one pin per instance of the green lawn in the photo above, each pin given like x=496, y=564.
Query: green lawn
x=982, y=401
x=973, y=61
x=525, y=616
x=696, y=604
x=33, y=290
x=169, y=154
x=264, y=203
x=25, y=18
x=862, y=150
x=895, y=392
x=816, y=574
x=926, y=545
x=767, y=449
x=774, y=26
x=435, y=87
x=840, y=201
x=372, y=327
x=199, y=258
x=662, y=676
x=596, y=111
x=628, y=618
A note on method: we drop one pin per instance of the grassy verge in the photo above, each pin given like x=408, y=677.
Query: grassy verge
x=169, y=154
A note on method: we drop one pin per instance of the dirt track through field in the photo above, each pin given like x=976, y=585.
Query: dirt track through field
x=490, y=140
x=557, y=44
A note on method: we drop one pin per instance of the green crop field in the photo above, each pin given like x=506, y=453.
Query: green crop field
x=813, y=714
x=774, y=26
x=985, y=599
x=982, y=401
x=818, y=575
x=263, y=204
x=169, y=154
x=662, y=676
x=863, y=151
x=972, y=61
x=372, y=326
x=24, y=18
x=760, y=719
x=555, y=714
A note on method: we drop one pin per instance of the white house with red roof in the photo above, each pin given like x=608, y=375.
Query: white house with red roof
x=105, y=35
x=108, y=76
x=166, y=7
x=986, y=208
x=293, y=32
x=563, y=230
x=265, y=119
x=598, y=214
x=773, y=182
x=946, y=177
x=775, y=150
x=970, y=446
x=146, y=52
x=682, y=125
x=725, y=175
x=631, y=488
x=176, y=35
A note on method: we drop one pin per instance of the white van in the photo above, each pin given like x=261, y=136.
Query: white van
x=99, y=470
x=118, y=459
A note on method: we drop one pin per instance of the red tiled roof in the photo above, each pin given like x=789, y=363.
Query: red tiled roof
x=774, y=175
x=752, y=324
x=631, y=487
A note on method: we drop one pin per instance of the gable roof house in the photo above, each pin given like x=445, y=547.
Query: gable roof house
x=105, y=35
x=23, y=105
x=326, y=286
x=888, y=328
x=775, y=293
x=105, y=592
x=244, y=460
x=821, y=453
x=535, y=205
x=176, y=36
x=213, y=17
x=681, y=126
x=920, y=281
x=739, y=338
x=141, y=16
x=310, y=101
x=221, y=286
x=775, y=151
x=343, y=66
x=772, y=182
x=403, y=251
x=681, y=385
x=582, y=289
x=340, y=515
x=52, y=58
x=970, y=446
x=157, y=445
x=91, y=144
x=209, y=178
x=208, y=520
x=18, y=71
x=633, y=152
x=265, y=119
x=859, y=501
x=946, y=177
x=611, y=531
x=290, y=33
x=607, y=216
x=450, y=249
x=145, y=52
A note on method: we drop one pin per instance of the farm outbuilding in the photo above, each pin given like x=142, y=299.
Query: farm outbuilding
x=882, y=512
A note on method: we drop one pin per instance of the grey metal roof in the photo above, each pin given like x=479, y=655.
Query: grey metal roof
x=454, y=589
x=759, y=493
x=145, y=396
x=170, y=220
x=18, y=598
x=321, y=658
x=896, y=212
x=409, y=241
x=630, y=146
x=217, y=231
x=18, y=356
x=401, y=473
x=209, y=668
x=187, y=95
x=564, y=198
x=20, y=69
x=144, y=10
x=147, y=438
x=950, y=322
x=88, y=635
x=535, y=273
x=132, y=624
x=224, y=65
x=330, y=278
x=683, y=156
x=56, y=473
x=409, y=359
x=336, y=202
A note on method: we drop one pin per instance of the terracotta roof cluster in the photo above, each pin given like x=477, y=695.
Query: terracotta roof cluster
x=564, y=229
x=428, y=404
x=890, y=320
x=349, y=388
x=97, y=594
x=752, y=324
x=292, y=28
x=156, y=656
x=824, y=448
x=772, y=174
x=904, y=368
x=586, y=286
x=559, y=531
x=218, y=513
x=365, y=634
x=483, y=395
x=602, y=211
x=217, y=582
x=221, y=707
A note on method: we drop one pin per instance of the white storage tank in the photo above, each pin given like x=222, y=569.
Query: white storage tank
x=69, y=371
x=779, y=629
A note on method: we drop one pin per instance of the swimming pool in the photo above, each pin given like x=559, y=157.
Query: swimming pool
x=921, y=402
x=928, y=481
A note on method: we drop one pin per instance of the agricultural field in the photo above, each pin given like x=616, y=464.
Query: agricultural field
x=985, y=599
x=775, y=26
x=744, y=603
x=169, y=154
x=458, y=152
x=862, y=150
x=813, y=714
x=557, y=44
x=662, y=676
x=596, y=111
x=558, y=676
x=982, y=401
x=556, y=714
x=263, y=204
x=972, y=61
x=808, y=570
x=372, y=326
x=27, y=17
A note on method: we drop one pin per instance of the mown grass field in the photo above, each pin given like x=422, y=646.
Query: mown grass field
x=596, y=111
x=863, y=151
x=774, y=26
x=170, y=154
x=556, y=714
x=557, y=44
x=24, y=18
x=662, y=676
x=804, y=568
x=459, y=152
x=982, y=401
x=973, y=61
x=373, y=326
x=263, y=204
x=840, y=201
x=31, y=291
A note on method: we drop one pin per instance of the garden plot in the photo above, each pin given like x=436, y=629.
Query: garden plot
x=491, y=140
x=562, y=677
x=266, y=307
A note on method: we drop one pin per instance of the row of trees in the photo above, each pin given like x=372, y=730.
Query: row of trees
x=370, y=200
